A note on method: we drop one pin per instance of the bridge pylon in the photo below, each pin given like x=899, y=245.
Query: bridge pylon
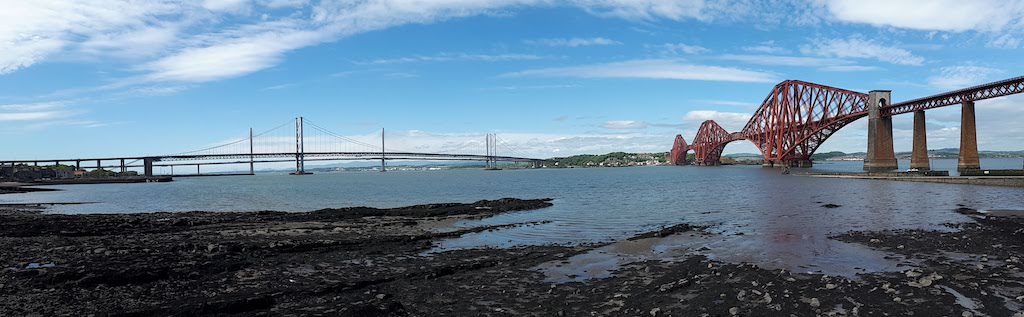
x=881, y=157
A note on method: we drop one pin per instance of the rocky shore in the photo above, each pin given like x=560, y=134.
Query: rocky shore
x=374, y=262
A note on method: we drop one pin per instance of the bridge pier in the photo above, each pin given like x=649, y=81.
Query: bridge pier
x=806, y=163
x=881, y=157
x=968, y=139
x=919, y=158
x=147, y=164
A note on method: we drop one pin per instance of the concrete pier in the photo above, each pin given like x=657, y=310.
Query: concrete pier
x=148, y=166
x=968, y=139
x=880, y=157
x=919, y=158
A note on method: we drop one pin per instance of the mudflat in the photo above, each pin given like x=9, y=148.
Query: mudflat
x=375, y=262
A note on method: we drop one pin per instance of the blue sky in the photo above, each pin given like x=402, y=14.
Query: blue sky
x=551, y=78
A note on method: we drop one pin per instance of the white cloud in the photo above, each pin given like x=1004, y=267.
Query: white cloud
x=858, y=47
x=456, y=57
x=33, y=111
x=1005, y=41
x=849, y=68
x=775, y=60
x=624, y=124
x=731, y=121
x=31, y=31
x=767, y=47
x=135, y=43
x=934, y=15
x=650, y=69
x=962, y=76
x=574, y=42
x=680, y=48
x=645, y=9
x=233, y=6
x=230, y=57
x=29, y=116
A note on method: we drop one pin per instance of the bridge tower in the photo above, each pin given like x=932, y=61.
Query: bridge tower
x=881, y=157
x=300, y=149
x=491, y=163
x=383, y=166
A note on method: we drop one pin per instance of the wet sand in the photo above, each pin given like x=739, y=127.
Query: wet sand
x=375, y=262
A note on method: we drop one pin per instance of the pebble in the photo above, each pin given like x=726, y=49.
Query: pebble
x=875, y=241
x=734, y=311
x=830, y=286
x=815, y=303
x=655, y=311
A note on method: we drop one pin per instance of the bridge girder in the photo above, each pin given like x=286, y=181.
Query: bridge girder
x=797, y=117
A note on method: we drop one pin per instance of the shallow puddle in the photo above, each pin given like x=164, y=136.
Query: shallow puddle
x=804, y=254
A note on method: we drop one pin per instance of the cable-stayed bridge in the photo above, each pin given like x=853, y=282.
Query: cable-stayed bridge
x=296, y=142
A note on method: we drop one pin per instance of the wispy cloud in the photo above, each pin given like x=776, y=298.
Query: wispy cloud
x=849, y=68
x=767, y=47
x=962, y=76
x=650, y=69
x=775, y=60
x=858, y=47
x=279, y=86
x=34, y=111
x=624, y=124
x=574, y=42
x=455, y=57
x=682, y=49
x=535, y=87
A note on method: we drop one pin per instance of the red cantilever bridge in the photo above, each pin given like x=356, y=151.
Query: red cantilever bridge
x=797, y=117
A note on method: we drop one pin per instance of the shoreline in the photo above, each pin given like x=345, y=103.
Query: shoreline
x=1003, y=181
x=367, y=261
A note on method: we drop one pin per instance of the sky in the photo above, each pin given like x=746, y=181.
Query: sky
x=551, y=78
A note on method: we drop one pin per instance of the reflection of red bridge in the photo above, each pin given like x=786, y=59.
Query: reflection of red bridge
x=797, y=117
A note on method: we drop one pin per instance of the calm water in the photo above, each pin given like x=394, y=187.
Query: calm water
x=780, y=216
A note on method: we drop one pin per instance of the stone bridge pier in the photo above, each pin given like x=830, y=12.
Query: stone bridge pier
x=881, y=157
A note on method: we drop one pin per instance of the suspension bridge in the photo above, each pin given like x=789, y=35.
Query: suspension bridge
x=307, y=142
x=797, y=117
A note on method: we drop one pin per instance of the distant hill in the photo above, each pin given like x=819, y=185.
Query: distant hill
x=613, y=159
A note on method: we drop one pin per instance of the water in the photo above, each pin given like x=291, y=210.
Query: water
x=780, y=216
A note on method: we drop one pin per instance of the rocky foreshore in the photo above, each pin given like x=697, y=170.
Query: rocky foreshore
x=374, y=262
